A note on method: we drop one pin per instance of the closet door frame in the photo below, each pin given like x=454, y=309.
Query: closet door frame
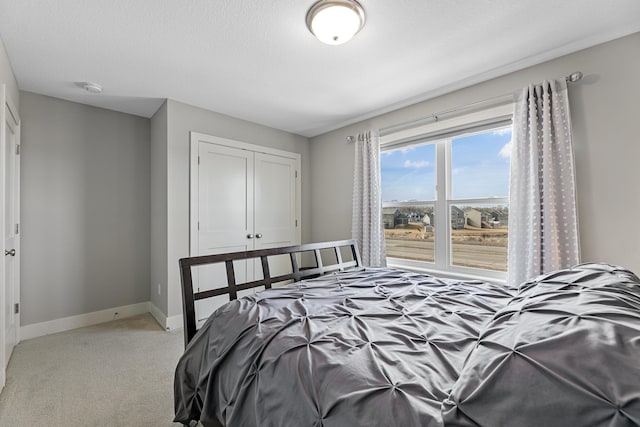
x=196, y=138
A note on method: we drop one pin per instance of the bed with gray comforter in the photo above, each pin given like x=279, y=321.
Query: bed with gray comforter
x=386, y=347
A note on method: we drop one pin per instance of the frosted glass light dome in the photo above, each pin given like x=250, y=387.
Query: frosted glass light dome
x=335, y=22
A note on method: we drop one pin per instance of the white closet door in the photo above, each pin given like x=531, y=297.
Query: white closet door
x=225, y=216
x=275, y=205
x=275, y=201
x=243, y=197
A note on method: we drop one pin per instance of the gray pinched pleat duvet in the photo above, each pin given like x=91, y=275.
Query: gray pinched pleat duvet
x=385, y=347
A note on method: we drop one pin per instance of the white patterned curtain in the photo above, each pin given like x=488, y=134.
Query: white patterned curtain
x=543, y=223
x=367, y=226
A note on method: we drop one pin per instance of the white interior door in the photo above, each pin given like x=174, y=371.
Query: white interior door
x=12, y=240
x=275, y=201
x=10, y=289
x=275, y=206
x=224, y=215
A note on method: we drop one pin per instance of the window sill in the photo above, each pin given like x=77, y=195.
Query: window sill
x=493, y=277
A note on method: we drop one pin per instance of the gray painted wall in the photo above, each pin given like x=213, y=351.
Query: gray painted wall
x=604, y=109
x=85, y=209
x=7, y=77
x=181, y=120
x=159, y=209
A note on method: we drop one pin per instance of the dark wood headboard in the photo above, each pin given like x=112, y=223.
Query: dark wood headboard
x=231, y=288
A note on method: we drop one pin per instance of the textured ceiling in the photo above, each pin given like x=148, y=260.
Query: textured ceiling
x=255, y=59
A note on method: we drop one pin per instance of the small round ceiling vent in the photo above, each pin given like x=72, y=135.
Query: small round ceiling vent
x=92, y=87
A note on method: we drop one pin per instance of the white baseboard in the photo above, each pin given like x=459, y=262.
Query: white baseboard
x=88, y=319
x=157, y=314
x=169, y=323
x=174, y=322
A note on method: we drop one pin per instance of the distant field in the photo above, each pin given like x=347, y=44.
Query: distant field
x=479, y=248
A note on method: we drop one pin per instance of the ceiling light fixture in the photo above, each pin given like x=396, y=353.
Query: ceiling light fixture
x=335, y=21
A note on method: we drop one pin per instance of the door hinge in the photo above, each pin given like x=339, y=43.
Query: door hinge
x=296, y=222
x=198, y=225
x=18, y=149
x=17, y=308
x=198, y=159
x=17, y=228
x=296, y=174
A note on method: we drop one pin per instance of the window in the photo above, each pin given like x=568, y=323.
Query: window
x=456, y=175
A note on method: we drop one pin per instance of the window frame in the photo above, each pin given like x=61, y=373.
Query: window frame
x=441, y=133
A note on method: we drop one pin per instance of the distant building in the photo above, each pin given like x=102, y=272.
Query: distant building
x=400, y=220
x=415, y=217
x=500, y=217
x=432, y=218
x=457, y=218
x=473, y=217
x=401, y=216
x=388, y=217
x=393, y=218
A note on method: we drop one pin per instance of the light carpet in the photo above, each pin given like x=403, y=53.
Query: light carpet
x=118, y=373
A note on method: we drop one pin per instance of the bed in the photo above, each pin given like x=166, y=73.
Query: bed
x=345, y=345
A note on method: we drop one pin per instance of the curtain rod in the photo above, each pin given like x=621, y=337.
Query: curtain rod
x=498, y=100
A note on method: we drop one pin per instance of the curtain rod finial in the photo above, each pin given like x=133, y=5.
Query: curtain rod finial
x=351, y=138
x=574, y=77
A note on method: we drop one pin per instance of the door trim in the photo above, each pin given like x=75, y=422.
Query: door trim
x=196, y=138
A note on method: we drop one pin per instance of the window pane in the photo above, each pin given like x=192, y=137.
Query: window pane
x=479, y=236
x=408, y=231
x=408, y=173
x=480, y=165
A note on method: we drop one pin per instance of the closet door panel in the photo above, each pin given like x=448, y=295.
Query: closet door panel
x=225, y=215
x=275, y=204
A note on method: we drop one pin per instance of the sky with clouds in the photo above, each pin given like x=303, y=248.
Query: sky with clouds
x=480, y=168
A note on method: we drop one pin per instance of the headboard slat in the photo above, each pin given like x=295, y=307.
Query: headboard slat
x=231, y=288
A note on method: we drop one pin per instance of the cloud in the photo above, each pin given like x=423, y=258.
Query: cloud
x=417, y=164
x=503, y=131
x=505, y=151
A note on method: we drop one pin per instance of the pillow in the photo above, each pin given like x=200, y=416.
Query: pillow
x=564, y=352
